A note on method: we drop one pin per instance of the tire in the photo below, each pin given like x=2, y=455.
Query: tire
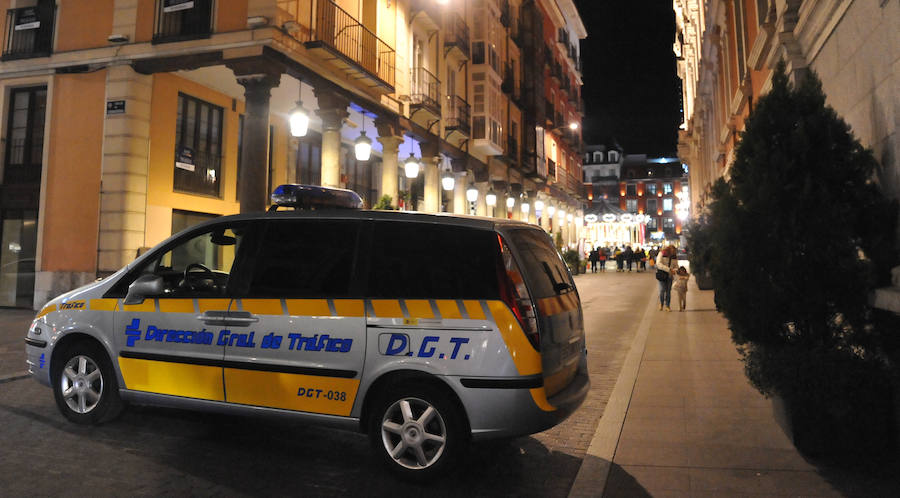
x=85, y=385
x=417, y=431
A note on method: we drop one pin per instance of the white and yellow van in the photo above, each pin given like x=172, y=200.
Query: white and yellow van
x=422, y=330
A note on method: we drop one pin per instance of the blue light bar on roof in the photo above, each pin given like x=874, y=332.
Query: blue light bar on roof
x=315, y=197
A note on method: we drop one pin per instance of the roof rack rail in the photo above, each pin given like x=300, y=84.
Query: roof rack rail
x=293, y=195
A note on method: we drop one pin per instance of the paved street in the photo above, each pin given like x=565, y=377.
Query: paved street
x=150, y=451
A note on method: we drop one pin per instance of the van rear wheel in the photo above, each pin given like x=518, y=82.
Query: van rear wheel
x=417, y=431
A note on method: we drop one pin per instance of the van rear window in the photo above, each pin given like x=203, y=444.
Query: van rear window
x=545, y=271
x=428, y=261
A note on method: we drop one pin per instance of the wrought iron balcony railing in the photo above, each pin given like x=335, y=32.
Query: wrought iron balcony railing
x=458, y=117
x=29, y=32
x=322, y=23
x=425, y=89
x=456, y=34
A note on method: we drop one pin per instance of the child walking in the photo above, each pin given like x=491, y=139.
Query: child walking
x=680, y=285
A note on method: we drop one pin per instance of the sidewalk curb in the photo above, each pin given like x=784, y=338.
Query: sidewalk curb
x=594, y=471
x=13, y=377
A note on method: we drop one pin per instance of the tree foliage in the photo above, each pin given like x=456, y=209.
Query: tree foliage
x=799, y=234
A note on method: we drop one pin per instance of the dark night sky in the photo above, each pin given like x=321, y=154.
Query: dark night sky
x=631, y=90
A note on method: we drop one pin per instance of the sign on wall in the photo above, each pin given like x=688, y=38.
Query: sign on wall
x=27, y=19
x=176, y=5
x=185, y=158
x=115, y=107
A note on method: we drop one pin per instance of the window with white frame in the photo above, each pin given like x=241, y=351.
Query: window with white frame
x=667, y=204
x=631, y=205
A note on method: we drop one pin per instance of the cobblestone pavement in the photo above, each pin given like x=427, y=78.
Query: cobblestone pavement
x=153, y=451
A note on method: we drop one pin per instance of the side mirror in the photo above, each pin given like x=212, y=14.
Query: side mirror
x=145, y=285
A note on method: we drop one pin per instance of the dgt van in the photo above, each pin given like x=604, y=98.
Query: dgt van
x=424, y=331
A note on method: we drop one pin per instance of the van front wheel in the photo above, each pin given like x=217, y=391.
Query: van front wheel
x=84, y=384
x=417, y=432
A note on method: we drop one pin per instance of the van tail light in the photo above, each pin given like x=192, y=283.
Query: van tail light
x=515, y=294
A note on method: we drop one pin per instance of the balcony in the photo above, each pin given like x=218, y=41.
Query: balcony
x=512, y=149
x=456, y=37
x=457, y=120
x=426, y=14
x=177, y=20
x=29, y=32
x=504, y=13
x=508, y=86
x=424, y=91
x=337, y=38
x=551, y=169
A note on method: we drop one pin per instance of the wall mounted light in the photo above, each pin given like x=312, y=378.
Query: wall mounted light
x=448, y=181
x=525, y=205
x=490, y=198
x=299, y=117
x=510, y=201
x=551, y=210
x=538, y=205
x=471, y=193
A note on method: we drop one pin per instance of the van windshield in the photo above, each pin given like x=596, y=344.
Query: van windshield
x=547, y=274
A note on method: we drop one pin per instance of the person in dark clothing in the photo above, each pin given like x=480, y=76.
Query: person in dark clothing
x=594, y=257
x=603, y=255
x=620, y=261
x=629, y=257
x=640, y=257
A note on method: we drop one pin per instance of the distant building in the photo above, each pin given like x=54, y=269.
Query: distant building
x=602, y=164
x=658, y=189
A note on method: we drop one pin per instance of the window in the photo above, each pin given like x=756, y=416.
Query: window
x=199, y=264
x=425, y=261
x=540, y=260
x=652, y=223
x=667, y=204
x=651, y=206
x=308, y=168
x=598, y=157
x=29, y=30
x=631, y=205
x=183, y=20
x=613, y=156
x=668, y=223
x=305, y=258
x=25, y=135
x=651, y=188
x=740, y=37
x=667, y=188
x=631, y=189
x=186, y=219
x=762, y=10
x=198, y=146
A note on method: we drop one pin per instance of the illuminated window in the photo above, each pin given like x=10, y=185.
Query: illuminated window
x=667, y=204
x=667, y=188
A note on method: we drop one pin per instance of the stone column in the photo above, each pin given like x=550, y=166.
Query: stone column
x=481, y=207
x=390, y=136
x=126, y=147
x=332, y=111
x=431, y=158
x=460, y=203
x=255, y=152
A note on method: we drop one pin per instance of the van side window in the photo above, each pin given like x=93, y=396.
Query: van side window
x=305, y=258
x=420, y=260
x=540, y=261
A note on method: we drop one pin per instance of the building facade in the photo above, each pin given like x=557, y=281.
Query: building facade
x=125, y=121
x=656, y=188
x=727, y=50
x=602, y=169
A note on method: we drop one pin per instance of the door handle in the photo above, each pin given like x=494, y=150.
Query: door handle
x=233, y=318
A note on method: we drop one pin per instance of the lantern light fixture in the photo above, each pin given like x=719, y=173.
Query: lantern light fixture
x=510, y=201
x=363, y=144
x=411, y=166
x=551, y=210
x=525, y=206
x=471, y=193
x=299, y=118
x=448, y=181
x=538, y=205
x=490, y=198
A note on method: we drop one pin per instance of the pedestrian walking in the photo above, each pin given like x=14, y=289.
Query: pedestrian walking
x=603, y=255
x=680, y=286
x=666, y=266
x=629, y=257
x=640, y=257
x=620, y=262
x=594, y=257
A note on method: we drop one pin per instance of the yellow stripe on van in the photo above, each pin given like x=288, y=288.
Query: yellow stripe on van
x=176, y=379
x=212, y=305
x=47, y=309
x=148, y=306
x=473, y=308
x=262, y=306
x=176, y=305
x=539, y=395
x=308, y=307
x=448, y=309
x=104, y=304
x=349, y=307
x=419, y=308
x=306, y=393
x=526, y=358
x=387, y=308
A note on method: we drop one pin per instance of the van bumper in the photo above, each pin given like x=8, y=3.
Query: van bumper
x=518, y=408
x=37, y=357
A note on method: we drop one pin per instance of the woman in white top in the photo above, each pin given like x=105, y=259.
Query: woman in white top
x=668, y=263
